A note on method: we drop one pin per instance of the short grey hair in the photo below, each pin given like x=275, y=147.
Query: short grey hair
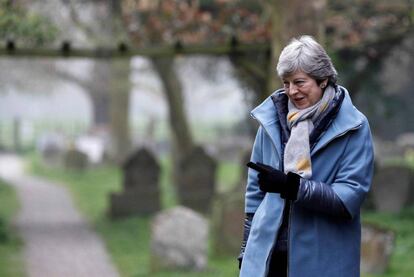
x=306, y=55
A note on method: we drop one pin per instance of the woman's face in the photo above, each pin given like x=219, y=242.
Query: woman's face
x=302, y=90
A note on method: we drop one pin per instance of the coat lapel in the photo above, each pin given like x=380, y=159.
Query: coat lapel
x=347, y=119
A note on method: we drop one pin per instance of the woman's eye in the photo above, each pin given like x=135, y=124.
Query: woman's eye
x=300, y=83
x=286, y=85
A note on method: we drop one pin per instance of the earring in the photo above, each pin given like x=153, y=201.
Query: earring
x=323, y=86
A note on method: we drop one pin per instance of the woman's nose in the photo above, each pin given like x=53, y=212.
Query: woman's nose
x=293, y=89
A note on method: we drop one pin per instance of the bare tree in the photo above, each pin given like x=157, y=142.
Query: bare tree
x=108, y=86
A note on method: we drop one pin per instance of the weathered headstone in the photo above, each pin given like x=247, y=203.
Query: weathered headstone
x=179, y=240
x=52, y=156
x=228, y=215
x=377, y=245
x=92, y=146
x=196, y=181
x=406, y=141
x=387, y=150
x=392, y=188
x=141, y=193
x=52, y=147
x=75, y=160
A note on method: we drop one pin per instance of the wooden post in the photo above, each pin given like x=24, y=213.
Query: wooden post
x=16, y=134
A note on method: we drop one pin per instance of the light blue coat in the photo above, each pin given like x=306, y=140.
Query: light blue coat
x=319, y=244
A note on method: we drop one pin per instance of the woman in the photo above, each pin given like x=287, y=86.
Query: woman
x=311, y=168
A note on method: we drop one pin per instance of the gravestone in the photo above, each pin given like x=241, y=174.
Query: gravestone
x=75, y=160
x=140, y=195
x=179, y=240
x=406, y=141
x=52, y=147
x=196, y=181
x=392, y=188
x=52, y=156
x=377, y=245
x=387, y=150
x=228, y=215
x=92, y=146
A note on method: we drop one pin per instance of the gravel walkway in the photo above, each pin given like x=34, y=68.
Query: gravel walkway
x=58, y=240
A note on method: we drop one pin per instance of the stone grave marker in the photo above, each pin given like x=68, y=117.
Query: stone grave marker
x=196, y=181
x=406, y=141
x=387, y=150
x=92, y=146
x=141, y=193
x=52, y=147
x=228, y=215
x=75, y=160
x=179, y=240
x=377, y=245
x=392, y=188
x=52, y=156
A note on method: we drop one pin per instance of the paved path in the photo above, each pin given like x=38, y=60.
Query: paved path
x=58, y=240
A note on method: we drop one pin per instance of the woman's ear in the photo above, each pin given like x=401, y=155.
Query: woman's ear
x=324, y=83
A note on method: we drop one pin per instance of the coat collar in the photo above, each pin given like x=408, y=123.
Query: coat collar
x=266, y=115
x=347, y=119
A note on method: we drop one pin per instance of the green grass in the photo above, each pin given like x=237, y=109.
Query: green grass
x=128, y=239
x=403, y=226
x=128, y=243
x=168, y=196
x=11, y=263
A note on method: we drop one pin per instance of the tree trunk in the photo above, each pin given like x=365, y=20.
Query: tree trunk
x=182, y=140
x=119, y=108
x=251, y=71
x=277, y=42
x=292, y=19
x=100, y=109
x=181, y=134
x=17, y=146
x=98, y=90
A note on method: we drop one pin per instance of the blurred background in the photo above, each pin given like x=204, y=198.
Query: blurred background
x=137, y=112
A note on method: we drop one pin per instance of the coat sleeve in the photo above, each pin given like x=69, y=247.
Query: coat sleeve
x=254, y=195
x=353, y=179
x=320, y=197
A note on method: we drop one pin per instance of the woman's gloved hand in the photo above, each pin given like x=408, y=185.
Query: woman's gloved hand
x=275, y=181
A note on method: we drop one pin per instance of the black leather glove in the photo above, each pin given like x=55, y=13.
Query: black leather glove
x=246, y=231
x=276, y=181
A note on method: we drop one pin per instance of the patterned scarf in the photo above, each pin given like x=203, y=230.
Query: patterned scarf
x=300, y=122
